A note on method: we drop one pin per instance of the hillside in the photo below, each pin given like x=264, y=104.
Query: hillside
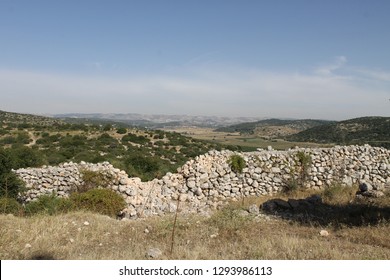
x=366, y=130
x=273, y=128
x=159, y=121
x=31, y=141
x=17, y=120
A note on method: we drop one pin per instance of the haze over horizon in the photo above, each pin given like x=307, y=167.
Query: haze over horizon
x=285, y=59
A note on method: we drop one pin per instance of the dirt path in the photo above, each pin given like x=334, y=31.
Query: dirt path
x=34, y=139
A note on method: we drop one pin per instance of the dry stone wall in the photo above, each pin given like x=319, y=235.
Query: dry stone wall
x=208, y=181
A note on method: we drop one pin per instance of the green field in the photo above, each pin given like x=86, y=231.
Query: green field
x=245, y=142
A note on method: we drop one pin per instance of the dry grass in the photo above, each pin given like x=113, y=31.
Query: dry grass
x=224, y=235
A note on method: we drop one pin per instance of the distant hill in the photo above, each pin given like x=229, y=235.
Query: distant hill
x=26, y=120
x=31, y=141
x=273, y=127
x=366, y=130
x=159, y=121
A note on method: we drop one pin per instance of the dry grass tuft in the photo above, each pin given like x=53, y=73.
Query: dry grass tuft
x=227, y=234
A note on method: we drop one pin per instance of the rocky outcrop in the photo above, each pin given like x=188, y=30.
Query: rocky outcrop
x=207, y=181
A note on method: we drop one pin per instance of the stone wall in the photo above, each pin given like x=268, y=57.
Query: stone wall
x=207, y=181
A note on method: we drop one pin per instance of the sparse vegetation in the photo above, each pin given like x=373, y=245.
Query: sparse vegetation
x=367, y=130
x=10, y=184
x=298, y=172
x=34, y=141
x=48, y=205
x=102, y=201
x=358, y=228
x=92, y=180
x=10, y=206
x=226, y=234
x=237, y=163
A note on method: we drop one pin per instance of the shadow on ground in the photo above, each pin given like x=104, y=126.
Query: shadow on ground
x=312, y=210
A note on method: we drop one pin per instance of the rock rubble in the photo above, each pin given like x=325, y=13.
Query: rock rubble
x=207, y=181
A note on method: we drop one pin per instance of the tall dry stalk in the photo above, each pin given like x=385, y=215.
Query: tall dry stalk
x=174, y=225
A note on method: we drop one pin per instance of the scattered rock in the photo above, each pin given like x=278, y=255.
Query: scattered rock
x=324, y=233
x=364, y=187
x=373, y=193
x=253, y=209
x=242, y=213
x=153, y=253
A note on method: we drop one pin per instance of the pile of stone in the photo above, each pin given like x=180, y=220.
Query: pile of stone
x=208, y=181
x=367, y=190
x=65, y=178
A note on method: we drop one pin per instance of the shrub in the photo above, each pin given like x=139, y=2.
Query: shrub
x=26, y=157
x=102, y=201
x=121, y=130
x=143, y=166
x=107, y=127
x=10, y=206
x=237, y=163
x=92, y=180
x=303, y=161
x=138, y=139
x=338, y=194
x=291, y=185
x=298, y=172
x=10, y=184
x=49, y=205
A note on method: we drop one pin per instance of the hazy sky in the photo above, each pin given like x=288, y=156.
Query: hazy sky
x=300, y=59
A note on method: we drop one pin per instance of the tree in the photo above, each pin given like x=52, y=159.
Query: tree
x=10, y=184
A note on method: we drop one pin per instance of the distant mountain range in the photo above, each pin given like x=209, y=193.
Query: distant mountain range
x=161, y=121
x=365, y=130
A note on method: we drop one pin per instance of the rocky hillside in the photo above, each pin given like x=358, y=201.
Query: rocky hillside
x=16, y=120
x=33, y=141
x=366, y=130
x=273, y=128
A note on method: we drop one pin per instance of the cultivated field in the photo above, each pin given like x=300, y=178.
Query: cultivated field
x=247, y=142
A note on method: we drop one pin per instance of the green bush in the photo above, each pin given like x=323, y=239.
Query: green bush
x=291, y=185
x=49, y=205
x=237, y=163
x=26, y=157
x=298, y=172
x=144, y=166
x=10, y=184
x=92, y=180
x=121, y=130
x=139, y=139
x=10, y=206
x=102, y=201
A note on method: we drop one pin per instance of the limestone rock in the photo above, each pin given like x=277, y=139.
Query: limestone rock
x=153, y=253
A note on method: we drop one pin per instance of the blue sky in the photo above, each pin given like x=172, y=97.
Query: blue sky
x=299, y=59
